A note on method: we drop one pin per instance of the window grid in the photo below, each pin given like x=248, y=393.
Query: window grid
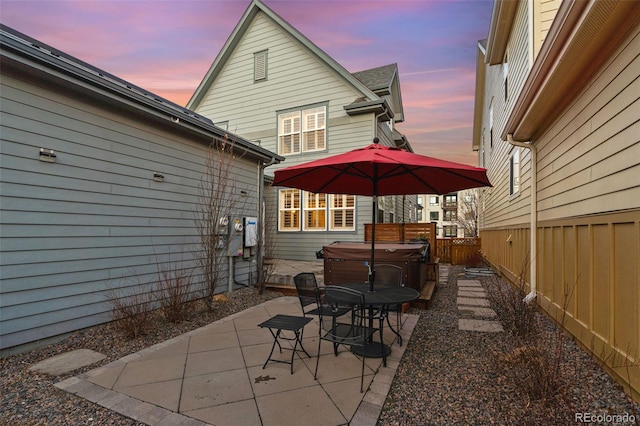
x=289, y=210
x=315, y=211
x=302, y=131
x=342, y=212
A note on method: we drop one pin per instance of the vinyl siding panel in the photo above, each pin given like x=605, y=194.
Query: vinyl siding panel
x=95, y=218
x=588, y=236
x=545, y=12
x=588, y=160
x=296, y=79
x=500, y=208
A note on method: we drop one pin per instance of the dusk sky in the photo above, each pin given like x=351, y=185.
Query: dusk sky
x=166, y=47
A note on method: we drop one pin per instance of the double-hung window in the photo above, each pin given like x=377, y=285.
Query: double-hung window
x=289, y=210
x=302, y=131
x=315, y=211
x=319, y=212
x=342, y=210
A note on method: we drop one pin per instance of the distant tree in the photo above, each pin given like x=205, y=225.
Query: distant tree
x=468, y=213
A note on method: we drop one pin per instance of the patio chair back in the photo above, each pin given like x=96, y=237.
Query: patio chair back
x=388, y=275
x=307, y=286
x=352, y=333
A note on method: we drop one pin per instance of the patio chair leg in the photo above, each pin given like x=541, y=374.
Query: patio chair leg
x=315, y=374
x=394, y=331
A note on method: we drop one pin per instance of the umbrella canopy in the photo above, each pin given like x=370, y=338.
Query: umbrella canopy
x=380, y=170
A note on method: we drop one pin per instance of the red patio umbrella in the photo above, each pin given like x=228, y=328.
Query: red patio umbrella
x=377, y=170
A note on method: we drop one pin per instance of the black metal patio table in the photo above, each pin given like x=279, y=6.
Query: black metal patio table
x=381, y=296
x=288, y=323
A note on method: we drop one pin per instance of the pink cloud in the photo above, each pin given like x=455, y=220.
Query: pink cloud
x=167, y=46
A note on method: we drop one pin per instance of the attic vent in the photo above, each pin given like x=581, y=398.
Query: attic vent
x=260, y=66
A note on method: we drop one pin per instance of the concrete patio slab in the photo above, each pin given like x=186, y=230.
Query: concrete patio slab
x=477, y=311
x=469, y=283
x=476, y=293
x=473, y=301
x=64, y=363
x=480, y=325
x=215, y=375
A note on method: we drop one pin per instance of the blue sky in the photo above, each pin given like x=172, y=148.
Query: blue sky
x=167, y=46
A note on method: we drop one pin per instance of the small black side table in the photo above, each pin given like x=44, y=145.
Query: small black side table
x=287, y=323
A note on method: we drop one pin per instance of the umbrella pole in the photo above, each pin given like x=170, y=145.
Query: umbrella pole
x=372, y=271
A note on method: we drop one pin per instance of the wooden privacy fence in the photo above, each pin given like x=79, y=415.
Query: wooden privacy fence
x=403, y=232
x=457, y=251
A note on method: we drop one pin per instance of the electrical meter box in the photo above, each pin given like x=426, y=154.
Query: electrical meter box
x=250, y=231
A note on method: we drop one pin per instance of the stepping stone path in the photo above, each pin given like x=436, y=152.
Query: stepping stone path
x=475, y=308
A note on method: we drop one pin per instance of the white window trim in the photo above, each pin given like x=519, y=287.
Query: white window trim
x=319, y=200
x=328, y=200
x=344, y=208
x=304, y=122
x=282, y=209
x=260, y=61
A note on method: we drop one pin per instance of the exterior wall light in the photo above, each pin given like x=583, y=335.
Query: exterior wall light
x=47, y=155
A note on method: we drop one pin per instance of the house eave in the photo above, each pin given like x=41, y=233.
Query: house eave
x=502, y=19
x=583, y=35
x=478, y=109
x=376, y=107
x=26, y=55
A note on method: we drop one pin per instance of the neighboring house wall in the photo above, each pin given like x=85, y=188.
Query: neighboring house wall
x=298, y=77
x=585, y=128
x=95, y=218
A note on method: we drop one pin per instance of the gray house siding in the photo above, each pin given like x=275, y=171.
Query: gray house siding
x=95, y=218
x=299, y=75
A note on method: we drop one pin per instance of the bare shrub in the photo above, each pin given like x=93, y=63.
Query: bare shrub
x=534, y=353
x=517, y=318
x=217, y=201
x=174, y=290
x=131, y=306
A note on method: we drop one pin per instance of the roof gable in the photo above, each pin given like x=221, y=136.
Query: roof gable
x=243, y=26
x=384, y=82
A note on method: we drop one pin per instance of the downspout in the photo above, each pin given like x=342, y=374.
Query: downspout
x=261, y=213
x=534, y=216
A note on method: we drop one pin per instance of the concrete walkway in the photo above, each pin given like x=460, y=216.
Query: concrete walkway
x=474, y=308
x=214, y=375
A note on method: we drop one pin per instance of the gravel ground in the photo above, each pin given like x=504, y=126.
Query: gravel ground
x=446, y=376
x=29, y=398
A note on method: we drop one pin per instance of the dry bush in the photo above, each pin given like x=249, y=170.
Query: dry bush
x=174, y=291
x=131, y=306
x=534, y=353
x=217, y=200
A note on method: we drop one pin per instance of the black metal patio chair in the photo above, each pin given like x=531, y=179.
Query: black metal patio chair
x=310, y=296
x=353, y=333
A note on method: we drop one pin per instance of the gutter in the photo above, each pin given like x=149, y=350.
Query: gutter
x=533, y=278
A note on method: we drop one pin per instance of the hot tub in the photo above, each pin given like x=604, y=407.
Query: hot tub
x=347, y=262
